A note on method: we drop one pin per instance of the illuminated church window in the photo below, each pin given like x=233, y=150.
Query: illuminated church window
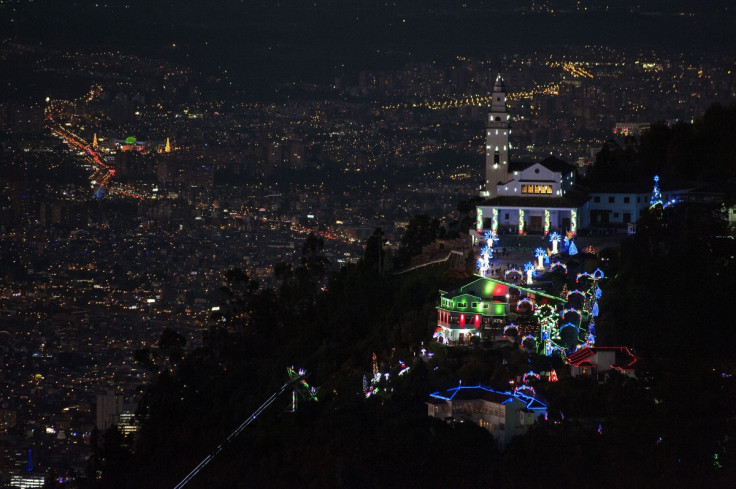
x=536, y=189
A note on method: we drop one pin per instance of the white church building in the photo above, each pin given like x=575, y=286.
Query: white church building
x=525, y=197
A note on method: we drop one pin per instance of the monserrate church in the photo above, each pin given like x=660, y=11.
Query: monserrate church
x=525, y=197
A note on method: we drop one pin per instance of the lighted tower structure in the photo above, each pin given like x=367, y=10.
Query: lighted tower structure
x=497, y=140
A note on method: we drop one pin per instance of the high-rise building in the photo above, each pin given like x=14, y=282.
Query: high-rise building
x=109, y=407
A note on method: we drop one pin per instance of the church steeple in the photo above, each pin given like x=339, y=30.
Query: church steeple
x=497, y=140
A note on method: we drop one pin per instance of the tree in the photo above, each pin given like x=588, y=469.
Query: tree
x=421, y=231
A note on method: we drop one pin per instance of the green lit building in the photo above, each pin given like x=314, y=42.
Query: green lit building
x=482, y=307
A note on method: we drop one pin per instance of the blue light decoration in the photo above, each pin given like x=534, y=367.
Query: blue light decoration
x=512, y=271
x=525, y=301
x=582, y=275
x=573, y=292
x=529, y=374
x=590, y=336
x=573, y=310
x=526, y=338
x=509, y=326
x=558, y=264
x=572, y=250
x=541, y=254
x=555, y=239
x=594, y=312
x=530, y=271
x=656, y=197
x=525, y=389
x=491, y=238
x=484, y=262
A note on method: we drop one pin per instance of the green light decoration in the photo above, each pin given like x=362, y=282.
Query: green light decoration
x=573, y=222
x=130, y=140
x=479, y=221
x=521, y=221
x=494, y=222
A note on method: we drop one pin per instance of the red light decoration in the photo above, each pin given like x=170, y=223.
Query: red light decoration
x=500, y=290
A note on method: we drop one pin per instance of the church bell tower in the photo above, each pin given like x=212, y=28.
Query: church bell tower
x=497, y=141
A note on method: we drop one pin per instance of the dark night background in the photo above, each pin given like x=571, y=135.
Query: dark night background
x=260, y=44
x=661, y=429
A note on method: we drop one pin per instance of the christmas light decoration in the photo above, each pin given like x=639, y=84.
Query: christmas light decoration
x=525, y=301
x=528, y=337
x=479, y=220
x=546, y=221
x=558, y=264
x=509, y=326
x=590, y=335
x=582, y=275
x=525, y=389
x=529, y=269
x=565, y=312
x=656, y=197
x=576, y=291
x=494, y=222
x=521, y=221
x=555, y=239
x=573, y=222
x=540, y=253
x=512, y=271
x=572, y=250
x=553, y=376
x=529, y=374
x=484, y=260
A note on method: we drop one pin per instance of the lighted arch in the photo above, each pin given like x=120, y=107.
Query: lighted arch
x=576, y=291
x=571, y=309
x=581, y=275
x=509, y=326
x=558, y=264
x=525, y=301
x=528, y=337
x=530, y=373
x=569, y=325
x=512, y=270
x=525, y=389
